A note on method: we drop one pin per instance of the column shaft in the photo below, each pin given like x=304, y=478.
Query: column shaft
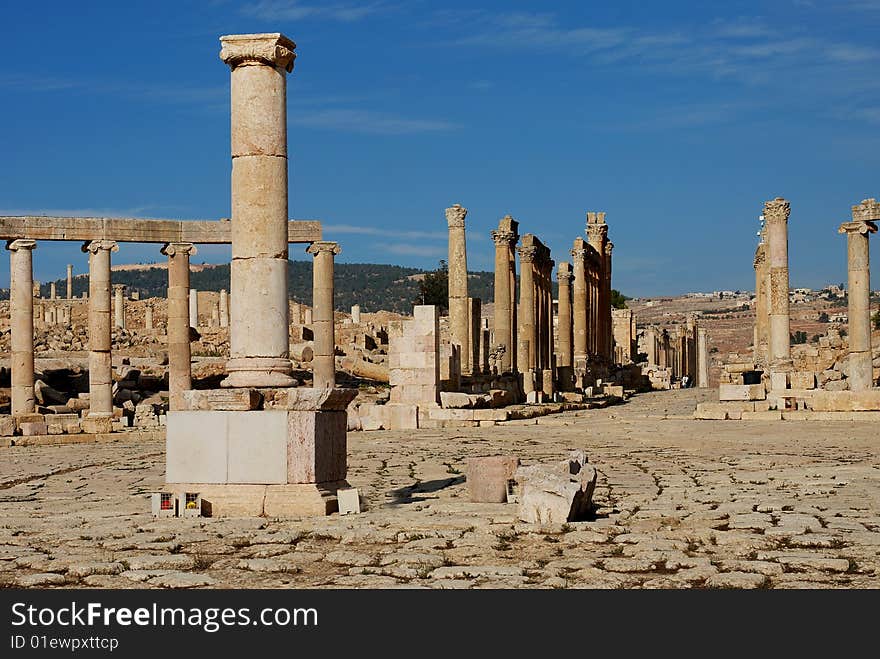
x=100, y=358
x=21, y=301
x=458, y=285
x=179, y=322
x=324, y=361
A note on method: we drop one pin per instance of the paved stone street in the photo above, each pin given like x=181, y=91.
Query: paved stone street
x=680, y=504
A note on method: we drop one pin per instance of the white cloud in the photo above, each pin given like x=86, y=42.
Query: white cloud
x=369, y=122
x=291, y=10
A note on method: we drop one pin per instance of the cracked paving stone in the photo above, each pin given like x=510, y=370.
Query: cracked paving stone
x=736, y=580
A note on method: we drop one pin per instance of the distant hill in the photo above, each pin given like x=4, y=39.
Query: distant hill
x=373, y=286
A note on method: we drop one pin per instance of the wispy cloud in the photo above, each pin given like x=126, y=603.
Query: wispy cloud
x=369, y=122
x=408, y=249
x=291, y=10
x=374, y=231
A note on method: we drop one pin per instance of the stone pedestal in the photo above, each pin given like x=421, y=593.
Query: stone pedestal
x=458, y=286
x=865, y=217
x=284, y=460
x=179, y=321
x=100, y=366
x=258, y=333
x=324, y=361
x=21, y=298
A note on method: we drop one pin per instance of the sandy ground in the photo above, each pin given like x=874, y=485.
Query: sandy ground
x=679, y=504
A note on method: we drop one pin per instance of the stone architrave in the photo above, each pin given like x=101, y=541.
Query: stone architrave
x=864, y=222
x=119, y=305
x=258, y=328
x=776, y=213
x=179, y=353
x=69, y=281
x=702, y=358
x=579, y=305
x=224, y=308
x=324, y=361
x=21, y=300
x=458, y=286
x=100, y=359
x=564, y=362
x=505, y=238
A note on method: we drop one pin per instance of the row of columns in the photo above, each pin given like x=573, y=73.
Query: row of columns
x=100, y=327
x=535, y=347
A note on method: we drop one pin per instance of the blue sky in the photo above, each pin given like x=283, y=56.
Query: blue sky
x=679, y=119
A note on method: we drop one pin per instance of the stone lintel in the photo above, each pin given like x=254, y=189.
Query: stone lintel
x=138, y=230
x=268, y=49
x=222, y=399
x=307, y=399
x=867, y=211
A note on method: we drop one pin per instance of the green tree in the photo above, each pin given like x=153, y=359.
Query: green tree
x=823, y=317
x=434, y=288
x=618, y=299
x=876, y=319
x=799, y=337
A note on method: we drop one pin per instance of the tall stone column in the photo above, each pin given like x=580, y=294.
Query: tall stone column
x=356, y=314
x=258, y=332
x=608, y=328
x=776, y=214
x=597, y=237
x=864, y=222
x=762, y=315
x=69, y=281
x=474, y=334
x=119, y=305
x=100, y=360
x=179, y=354
x=527, y=333
x=579, y=306
x=324, y=361
x=564, y=361
x=224, y=308
x=52, y=292
x=148, y=317
x=21, y=302
x=193, y=308
x=505, y=238
x=702, y=358
x=458, y=285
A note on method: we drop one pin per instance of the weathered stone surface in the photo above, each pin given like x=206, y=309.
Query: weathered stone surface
x=488, y=478
x=554, y=494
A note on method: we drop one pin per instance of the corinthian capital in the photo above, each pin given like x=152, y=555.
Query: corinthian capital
x=258, y=49
x=777, y=210
x=504, y=238
x=455, y=216
x=527, y=254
